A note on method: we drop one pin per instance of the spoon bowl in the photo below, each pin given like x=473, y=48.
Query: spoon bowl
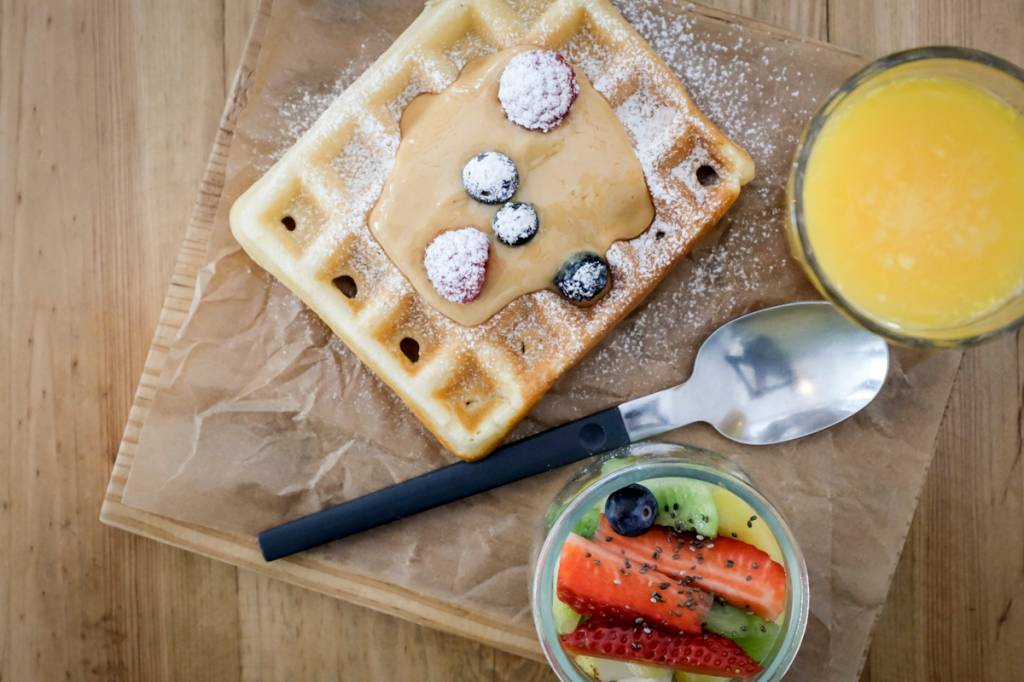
x=788, y=374
x=771, y=376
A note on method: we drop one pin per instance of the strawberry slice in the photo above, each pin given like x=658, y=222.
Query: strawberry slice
x=733, y=570
x=702, y=654
x=594, y=580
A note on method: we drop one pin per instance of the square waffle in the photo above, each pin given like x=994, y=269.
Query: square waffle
x=304, y=221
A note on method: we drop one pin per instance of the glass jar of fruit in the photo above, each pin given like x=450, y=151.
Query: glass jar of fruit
x=663, y=563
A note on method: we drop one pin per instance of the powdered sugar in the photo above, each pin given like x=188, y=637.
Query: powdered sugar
x=366, y=160
x=537, y=89
x=490, y=177
x=756, y=89
x=654, y=127
x=456, y=263
x=515, y=223
x=745, y=86
x=583, y=278
x=469, y=47
x=299, y=112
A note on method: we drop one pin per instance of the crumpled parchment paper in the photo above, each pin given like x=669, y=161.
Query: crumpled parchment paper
x=263, y=415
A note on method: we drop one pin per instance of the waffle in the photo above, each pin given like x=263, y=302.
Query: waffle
x=304, y=221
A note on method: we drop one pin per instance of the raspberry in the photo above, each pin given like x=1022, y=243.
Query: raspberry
x=456, y=263
x=537, y=89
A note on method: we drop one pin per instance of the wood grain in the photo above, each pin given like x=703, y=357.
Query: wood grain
x=106, y=122
x=957, y=600
x=107, y=112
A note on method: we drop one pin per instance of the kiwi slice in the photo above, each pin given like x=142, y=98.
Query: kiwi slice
x=566, y=619
x=587, y=525
x=754, y=634
x=685, y=504
x=616, y=463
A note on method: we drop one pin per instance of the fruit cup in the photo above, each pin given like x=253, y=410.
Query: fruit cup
x=664, y=563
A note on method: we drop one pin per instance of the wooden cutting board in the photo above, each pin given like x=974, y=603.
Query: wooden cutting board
x=311, y=571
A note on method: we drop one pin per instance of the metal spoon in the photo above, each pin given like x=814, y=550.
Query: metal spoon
x=770, y=376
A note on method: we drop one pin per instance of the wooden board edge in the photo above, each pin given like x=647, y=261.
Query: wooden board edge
x=189, y=260
x=322, y=576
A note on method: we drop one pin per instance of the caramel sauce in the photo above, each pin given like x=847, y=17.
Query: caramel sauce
x=583, y=178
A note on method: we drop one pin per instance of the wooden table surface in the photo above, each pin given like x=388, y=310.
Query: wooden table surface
x=107, y=112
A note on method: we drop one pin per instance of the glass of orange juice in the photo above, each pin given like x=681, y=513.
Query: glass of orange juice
x=906, y=197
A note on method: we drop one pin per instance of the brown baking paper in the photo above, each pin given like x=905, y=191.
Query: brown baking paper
x=263, y=415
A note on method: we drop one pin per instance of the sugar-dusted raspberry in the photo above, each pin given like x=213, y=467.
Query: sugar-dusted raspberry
x=456, y=263
x=515, y=223
x=490, y=177
x=537, y=89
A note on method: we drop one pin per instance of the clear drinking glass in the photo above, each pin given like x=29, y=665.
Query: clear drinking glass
x=658, y=460
x=984, y=70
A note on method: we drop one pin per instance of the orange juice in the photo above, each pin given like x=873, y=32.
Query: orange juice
x=913, y=202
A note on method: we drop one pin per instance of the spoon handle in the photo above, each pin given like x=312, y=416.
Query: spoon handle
x=668, y=409
x=539, y=453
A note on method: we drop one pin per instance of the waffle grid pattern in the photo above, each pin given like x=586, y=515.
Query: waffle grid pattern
x=305, y=220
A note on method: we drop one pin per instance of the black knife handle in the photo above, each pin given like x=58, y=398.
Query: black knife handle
x=539, y=453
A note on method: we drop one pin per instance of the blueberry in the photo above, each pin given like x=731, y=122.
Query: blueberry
x=490, y=177
x=583, y=277
x=631, y=510
x=515, y=223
